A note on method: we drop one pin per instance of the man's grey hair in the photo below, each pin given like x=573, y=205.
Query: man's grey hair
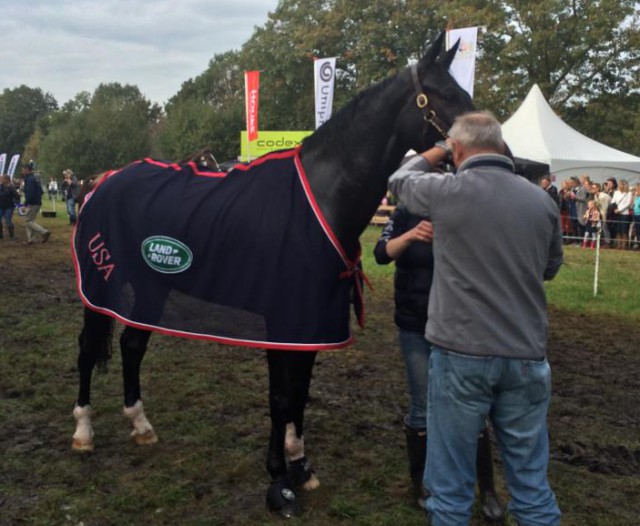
x=478, y=129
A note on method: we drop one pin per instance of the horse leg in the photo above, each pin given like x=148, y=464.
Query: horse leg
x=300, y=470
x=95, y=344
x=289, y=379
x=133, y=345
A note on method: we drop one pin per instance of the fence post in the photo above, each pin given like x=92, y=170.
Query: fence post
x=597, y=269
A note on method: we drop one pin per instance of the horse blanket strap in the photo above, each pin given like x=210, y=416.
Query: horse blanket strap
x=244, y=258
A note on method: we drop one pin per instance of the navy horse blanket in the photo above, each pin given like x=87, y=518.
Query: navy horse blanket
x=243, y=258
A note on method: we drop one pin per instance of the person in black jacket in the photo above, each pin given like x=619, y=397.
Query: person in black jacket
x=407, y=240
x=547, y=186
x=33, y=200
x=71, y=190
x=8, y=199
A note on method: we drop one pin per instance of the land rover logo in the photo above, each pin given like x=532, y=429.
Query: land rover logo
x=166, y=255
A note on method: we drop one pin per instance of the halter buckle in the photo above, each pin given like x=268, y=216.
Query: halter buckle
x=422, y=101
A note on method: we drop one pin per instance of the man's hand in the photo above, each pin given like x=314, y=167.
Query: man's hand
x=437, y=154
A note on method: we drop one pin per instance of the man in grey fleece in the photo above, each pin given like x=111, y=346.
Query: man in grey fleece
x=496, y=238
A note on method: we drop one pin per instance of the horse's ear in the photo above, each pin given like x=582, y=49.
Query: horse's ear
x=434, y=50
x=447, y=58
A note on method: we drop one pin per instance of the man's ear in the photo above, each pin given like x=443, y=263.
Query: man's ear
x=456, y=152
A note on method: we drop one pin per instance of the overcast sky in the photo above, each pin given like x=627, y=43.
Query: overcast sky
x=67, y=46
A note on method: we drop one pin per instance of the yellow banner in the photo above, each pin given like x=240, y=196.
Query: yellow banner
x=269, y=141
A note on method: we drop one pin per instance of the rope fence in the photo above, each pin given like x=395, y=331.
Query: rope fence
x=631, y=238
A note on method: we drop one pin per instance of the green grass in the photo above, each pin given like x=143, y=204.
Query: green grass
x=617, y=293
x=573, y=287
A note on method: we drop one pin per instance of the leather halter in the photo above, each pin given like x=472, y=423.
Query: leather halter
x=422, y=101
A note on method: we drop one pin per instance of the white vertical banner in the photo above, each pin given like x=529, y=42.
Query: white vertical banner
x=13, y=164
x=323, y=81
x=3, y=161
x=463, y=67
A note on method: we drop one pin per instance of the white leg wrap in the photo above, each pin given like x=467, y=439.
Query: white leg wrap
x=83, y=437
x=143, y=432
x=294, y=450
x=293, y=446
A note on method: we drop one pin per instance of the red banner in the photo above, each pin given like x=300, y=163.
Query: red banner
x=252, y=85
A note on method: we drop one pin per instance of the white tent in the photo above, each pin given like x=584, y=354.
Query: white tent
x=535, y=132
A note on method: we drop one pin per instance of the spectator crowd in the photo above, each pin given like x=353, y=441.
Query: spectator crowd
x=25, y=193
x=588, y=208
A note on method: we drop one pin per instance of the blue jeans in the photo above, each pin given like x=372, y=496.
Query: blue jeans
x=514, y=394
x=415, y=351
x=6, y=214
x=636, y=226
x=71, y=210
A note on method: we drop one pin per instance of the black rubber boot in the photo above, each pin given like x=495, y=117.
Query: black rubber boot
x=417, y=453
x=491, y=507
x=11, y=231
x=1, y=232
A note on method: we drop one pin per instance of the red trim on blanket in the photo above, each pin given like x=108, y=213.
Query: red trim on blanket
x=283, y=154
x=197, y=336
x=352, y=267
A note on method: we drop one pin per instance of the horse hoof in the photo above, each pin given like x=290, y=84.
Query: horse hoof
x=145, y=439
x=81, y=445
x=302, y=474
x=282, y=500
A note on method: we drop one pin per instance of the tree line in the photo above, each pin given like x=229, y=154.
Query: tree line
x=584, y=55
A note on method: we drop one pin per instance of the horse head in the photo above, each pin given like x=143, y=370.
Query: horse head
x=437, y=99
x=350, y=158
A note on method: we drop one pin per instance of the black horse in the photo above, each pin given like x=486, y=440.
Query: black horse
x=347, y=162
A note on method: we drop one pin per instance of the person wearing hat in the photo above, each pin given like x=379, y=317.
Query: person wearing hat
x=33, y=201
x=71, y=194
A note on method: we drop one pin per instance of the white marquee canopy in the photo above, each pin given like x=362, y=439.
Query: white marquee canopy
x=535, y=132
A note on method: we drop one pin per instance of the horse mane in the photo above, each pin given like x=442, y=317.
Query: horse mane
x=326, y=136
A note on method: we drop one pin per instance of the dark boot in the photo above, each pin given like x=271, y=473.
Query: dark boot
x=11, y=231
x=417, y=453
x=491, y=507
x=1, y=232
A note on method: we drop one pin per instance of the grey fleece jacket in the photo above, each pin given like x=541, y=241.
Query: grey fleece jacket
x=496, y=239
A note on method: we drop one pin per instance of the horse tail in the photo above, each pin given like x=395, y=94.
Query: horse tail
x=96, y=337
x=106, y=351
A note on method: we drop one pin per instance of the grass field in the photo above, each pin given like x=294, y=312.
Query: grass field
x=209, y=406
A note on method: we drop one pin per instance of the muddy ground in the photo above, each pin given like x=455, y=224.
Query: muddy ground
x=208, y=404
